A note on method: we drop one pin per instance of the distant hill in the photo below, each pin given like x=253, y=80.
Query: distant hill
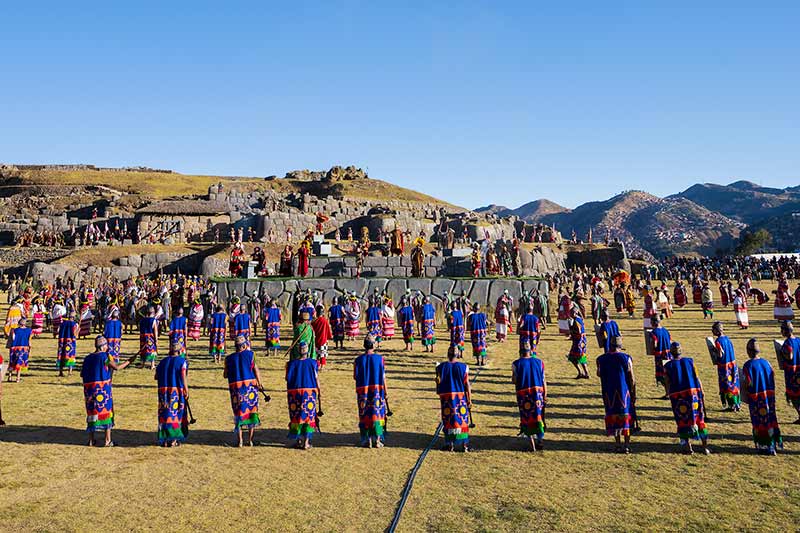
x=532, y=212
x=493, y=209
x=744, y=200
x=650, y=226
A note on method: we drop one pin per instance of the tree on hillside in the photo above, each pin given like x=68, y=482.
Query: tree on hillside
x=751, y=242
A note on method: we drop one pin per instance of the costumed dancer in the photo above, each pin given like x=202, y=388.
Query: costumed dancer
x=173, y=393
x=455, y=400
x=369, y=372
x=685, y=392
x=244, y=384
x=618, y=384
x=478, y=330
x=527, y=374
x=758, y=386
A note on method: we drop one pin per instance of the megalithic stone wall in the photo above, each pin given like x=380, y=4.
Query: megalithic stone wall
x=484, y=291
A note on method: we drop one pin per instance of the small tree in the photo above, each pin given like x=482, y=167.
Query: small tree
x=751, y=242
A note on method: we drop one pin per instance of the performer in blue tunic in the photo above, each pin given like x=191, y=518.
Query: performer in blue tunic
x=373, y=320
x=530, y=328
x=216, y=336
x=790, y=364
x=177, y=333
x=67, y=336
x=244, y=384
x=20, y=349
x=608, y=330
x=727, y=371
x=527, y=374
x=661, y=350
x=405, y=317
x=618, y=384
x=241, y=325
x=112, y=331
x=685, y=392
x=303, y=394
x=428, y=325
x=97, y=390
x=148, y=338
x=455, y=400
x=273, y=329
x=478, y=331
x=337, y=320
x=758, y=386
x=173, y=393
x=577, y=351
x=456, y=326
x=371, y=396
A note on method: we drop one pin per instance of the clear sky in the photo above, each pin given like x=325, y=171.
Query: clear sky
x=476, y=103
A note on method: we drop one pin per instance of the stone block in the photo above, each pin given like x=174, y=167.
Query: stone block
x=396, y=288
x=272, y=288
x=393, y=261
x=513, y=286
x=317, y=284
x=350, y=285
x=431, y=272
x=405, y=261
x=440, y=286
x=375, y=261
x=123, y=261
x=480, y=291
x=462, y=286
x=399, y=271
x=435, y=261
x=420, y=284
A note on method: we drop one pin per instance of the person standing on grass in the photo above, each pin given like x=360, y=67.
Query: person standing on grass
x=303, y=394
x=456, y=325
x=19, y=349
x=661, y=351
x=758, y=384
x=455, y=399
x=790, y=364
x=618, y=384
x=67, y=336
x=148, y=338
x=173, y=393
x=96, y=374
x=707, y=301
x=530, y=328
x=478, y=332
x=405, y=319
x=727, y=372
x=527, y=374
x=303, y=334
x=428, y=325
x=216, y=334
x=112, y=331
x=322, y=334
x=369, y=373
x=685, y=392
x=273, y=327
x=608, y=330
x=373, y=319
x=244, y=384
x=241, y=324
x=577, y=352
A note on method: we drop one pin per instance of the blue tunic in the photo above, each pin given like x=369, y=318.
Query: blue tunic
x=529, y=373
x=369, y=373
x=616, y=393
x=451, y=382
x=112, y=331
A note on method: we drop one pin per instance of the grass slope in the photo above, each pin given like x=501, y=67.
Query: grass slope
x=52, y=482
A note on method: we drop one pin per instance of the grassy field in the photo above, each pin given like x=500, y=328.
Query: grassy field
x=52, y=482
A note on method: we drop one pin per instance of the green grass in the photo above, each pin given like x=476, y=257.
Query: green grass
x=52, y=482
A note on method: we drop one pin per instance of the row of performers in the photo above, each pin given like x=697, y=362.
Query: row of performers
x=304, y=395
x=657, y=303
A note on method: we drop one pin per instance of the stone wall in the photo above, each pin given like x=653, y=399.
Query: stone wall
x=195, y=224
x=483, y=291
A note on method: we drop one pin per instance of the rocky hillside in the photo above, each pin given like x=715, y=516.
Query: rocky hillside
x=651, y=226
x=744, y=201
x=532, y=212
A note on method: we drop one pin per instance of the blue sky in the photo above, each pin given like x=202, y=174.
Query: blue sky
x=485, y=102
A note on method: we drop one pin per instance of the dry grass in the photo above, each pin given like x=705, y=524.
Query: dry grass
x=51, y=482
x=157, y=185
x=105, y=256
